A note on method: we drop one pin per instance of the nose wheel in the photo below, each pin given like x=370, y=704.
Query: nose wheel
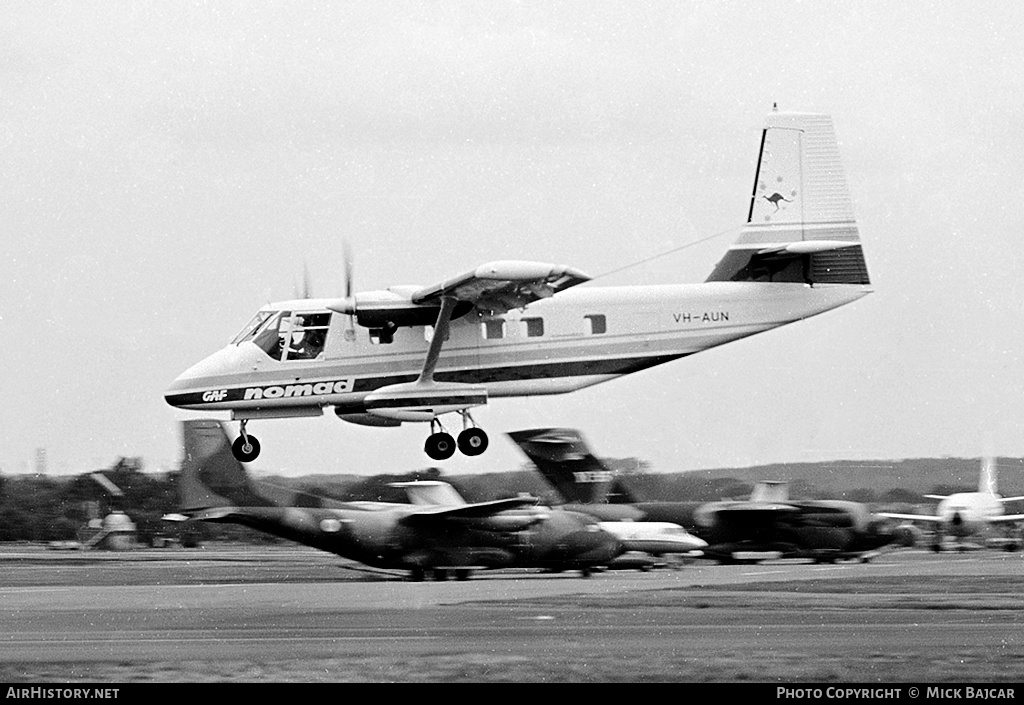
x=245, y=448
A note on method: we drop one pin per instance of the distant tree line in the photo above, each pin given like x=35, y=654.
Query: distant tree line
x=45, y=508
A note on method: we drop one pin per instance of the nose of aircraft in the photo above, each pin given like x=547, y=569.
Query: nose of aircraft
x=206, y=377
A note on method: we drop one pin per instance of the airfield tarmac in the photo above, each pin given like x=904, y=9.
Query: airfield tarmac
x=296, y=614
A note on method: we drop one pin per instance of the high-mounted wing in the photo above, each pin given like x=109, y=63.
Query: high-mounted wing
x=1007, y=518
x=498, y=287
x=927, y=518
x=503, y=515
x=439, y=501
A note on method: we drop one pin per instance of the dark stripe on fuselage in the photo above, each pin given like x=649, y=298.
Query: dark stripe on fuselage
x=491, y=375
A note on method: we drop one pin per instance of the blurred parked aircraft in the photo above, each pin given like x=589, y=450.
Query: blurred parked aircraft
x=767, y=525
x=967, y=514
x=438, y=533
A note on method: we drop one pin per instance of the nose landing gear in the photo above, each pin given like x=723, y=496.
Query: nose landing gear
x=246, y=448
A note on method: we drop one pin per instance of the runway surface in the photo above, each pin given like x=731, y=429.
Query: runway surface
x=252, y=613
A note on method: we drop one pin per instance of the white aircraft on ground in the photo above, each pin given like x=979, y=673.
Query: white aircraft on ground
x=515, y=328
x=967, y=514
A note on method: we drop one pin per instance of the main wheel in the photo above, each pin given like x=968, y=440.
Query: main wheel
x=245, y=448
x=440, y=446
x=472, y=441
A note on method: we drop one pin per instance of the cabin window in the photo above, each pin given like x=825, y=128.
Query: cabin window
x=493, y=330
x=428, y=333
x=598, y=324
x=534, y=327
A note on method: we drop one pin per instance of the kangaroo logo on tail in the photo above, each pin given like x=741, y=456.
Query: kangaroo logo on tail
x=775, y=198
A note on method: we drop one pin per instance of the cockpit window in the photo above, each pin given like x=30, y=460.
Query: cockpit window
x=269, y=337
x=308, y=333
x=284, y=335
x=252, y=327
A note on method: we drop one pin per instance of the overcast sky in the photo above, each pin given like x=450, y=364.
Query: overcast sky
x=168, y=168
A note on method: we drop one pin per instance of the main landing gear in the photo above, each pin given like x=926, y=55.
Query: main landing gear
x=440, y=445
x=245, y=448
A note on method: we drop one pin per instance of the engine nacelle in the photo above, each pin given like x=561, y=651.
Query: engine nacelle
x=367, y=419
x=508, y=521
x=422, y=401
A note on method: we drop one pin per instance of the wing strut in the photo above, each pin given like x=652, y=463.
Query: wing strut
x=444, y=317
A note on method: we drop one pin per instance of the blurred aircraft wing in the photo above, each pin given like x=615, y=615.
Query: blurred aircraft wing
x=911, y=517
x=470, y=511
x=1007, y=518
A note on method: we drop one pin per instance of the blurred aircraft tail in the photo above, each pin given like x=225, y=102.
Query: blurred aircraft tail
x=210, y=474
x=564, y=459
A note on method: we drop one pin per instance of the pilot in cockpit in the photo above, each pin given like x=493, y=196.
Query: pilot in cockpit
x=306, y=343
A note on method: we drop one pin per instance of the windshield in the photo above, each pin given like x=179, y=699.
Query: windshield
x=251, y=327
x=284, y=335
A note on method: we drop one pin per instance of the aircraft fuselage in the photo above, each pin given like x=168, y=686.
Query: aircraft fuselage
x=968, y=513
x=373, y=533
x=579, y=338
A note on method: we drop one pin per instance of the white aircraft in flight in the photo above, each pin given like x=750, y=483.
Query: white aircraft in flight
x=514, y=328
x=967, y=514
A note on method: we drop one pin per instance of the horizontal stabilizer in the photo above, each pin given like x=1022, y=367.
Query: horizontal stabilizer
x=805, y=247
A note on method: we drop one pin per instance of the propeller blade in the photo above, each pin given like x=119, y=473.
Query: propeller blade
x=306, y=288
x=350, y=332
x=347, y=253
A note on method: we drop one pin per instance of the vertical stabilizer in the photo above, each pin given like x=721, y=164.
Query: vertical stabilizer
x=800, y=223
x=564, y=459
x=431, y=493
x=210, y=474
x=770, y=491
x=988, y=481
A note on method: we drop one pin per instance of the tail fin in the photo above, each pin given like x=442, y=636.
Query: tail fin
x=210, y=474
x=988, y=479
x=773, y=491
x=431, y=493
x=564, y=459
x=800, y=226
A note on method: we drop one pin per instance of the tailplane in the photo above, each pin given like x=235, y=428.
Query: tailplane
x=800, y=224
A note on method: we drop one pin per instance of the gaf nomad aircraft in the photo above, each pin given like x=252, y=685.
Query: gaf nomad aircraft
x=438, y=533
x=767, y=525
x=516, y=328
x=968, y=514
